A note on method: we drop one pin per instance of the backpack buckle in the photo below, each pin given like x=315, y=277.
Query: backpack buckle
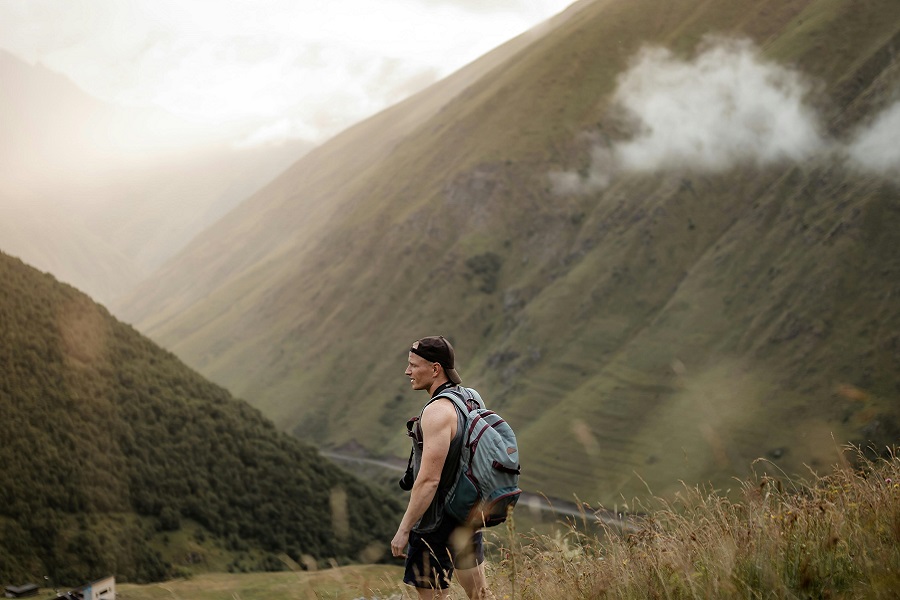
x=413, y=430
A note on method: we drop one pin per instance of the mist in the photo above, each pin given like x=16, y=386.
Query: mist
x=597, y=177
x=875, y=148
x=726, y=107
x=101, y=195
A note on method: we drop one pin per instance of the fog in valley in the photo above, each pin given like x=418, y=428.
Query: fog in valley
x=101, y=195
x=129, y=127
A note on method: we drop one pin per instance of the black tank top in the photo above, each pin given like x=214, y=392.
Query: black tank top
x=434, y=514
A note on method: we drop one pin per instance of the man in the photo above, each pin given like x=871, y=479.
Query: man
x=433, y=543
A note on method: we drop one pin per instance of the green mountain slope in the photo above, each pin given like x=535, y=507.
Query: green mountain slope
x=671, y=325
x=109, y=440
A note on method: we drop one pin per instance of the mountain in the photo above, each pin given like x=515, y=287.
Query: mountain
x=54, y=241
x=117, y=458
x=101, y=195
x=642, y=225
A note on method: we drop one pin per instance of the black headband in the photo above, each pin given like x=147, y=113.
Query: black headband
x=431, y=355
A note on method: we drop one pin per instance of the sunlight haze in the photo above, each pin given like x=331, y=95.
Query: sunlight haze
x=262, y=71
x=129, y=126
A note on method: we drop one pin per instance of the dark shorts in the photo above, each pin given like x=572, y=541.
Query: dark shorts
x=431, y=557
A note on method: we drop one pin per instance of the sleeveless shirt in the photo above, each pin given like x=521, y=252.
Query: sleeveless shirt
x=434, y=514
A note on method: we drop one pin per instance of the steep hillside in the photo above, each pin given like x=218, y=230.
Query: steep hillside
x=118, y=459
x=635, y=324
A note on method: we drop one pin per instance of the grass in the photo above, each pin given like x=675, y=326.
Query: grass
x=342, y=583
x=837, y=536
x=834, y=536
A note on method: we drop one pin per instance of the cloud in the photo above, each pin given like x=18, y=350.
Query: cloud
x=265, y=68
x=596, y=177
x=876, y=148
x=271, y=133
x=726, y=107
x=508, y=6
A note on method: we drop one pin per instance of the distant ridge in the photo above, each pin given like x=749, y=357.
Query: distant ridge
x=119, y=459
x=100, y=195
x=637, y=327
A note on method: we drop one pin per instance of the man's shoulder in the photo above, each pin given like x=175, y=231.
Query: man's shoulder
x=438, y=403
x=440, y=407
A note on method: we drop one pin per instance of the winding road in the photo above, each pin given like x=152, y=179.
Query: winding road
x=533, y=502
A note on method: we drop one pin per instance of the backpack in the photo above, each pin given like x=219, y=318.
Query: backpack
x=486, y=485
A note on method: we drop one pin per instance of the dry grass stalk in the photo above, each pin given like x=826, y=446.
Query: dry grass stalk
x=837, y=536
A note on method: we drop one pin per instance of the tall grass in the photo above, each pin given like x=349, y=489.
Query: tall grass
x=836, y=536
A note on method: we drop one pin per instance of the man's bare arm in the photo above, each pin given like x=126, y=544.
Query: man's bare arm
x=437, y=424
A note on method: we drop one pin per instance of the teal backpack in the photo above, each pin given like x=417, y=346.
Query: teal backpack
x=487, y=483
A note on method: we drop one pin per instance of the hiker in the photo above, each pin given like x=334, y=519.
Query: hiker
x=434, y=544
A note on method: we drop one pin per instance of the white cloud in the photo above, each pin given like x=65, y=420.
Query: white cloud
x=876, y=148
x=727, y=106
x=518, y=6
x=597, y=177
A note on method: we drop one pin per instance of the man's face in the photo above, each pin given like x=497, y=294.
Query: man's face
x=421, y=373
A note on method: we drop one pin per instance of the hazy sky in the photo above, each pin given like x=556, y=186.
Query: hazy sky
x=273, y=68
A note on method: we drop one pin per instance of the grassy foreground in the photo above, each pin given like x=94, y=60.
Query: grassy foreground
x=836, y=536
x=342, y=583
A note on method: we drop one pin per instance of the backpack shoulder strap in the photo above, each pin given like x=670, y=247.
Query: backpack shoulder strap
x=461, y=397
x=455, y=397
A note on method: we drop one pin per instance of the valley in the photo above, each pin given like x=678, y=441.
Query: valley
x=660, y=234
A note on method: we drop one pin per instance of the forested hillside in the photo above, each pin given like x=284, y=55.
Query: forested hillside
x=109, y=441
x=662, y=235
